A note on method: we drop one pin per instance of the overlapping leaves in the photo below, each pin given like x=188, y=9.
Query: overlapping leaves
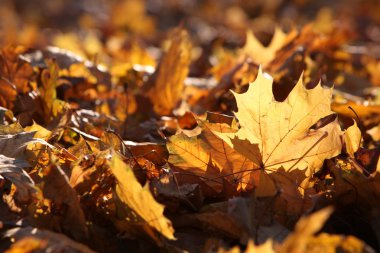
x=267, y=131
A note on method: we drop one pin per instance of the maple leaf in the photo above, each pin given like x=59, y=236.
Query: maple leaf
x=171, y=73
x=139, y=200
x=261, y=54
x=209, y=157
x=282, y=130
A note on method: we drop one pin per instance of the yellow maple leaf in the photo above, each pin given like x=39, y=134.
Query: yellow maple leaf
x=139, y=200
x=282, y=130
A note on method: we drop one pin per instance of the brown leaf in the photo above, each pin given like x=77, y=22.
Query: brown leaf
x=220, y=222
x=29, y=239
x=174, y=195
x=64, y=201
x=14, y=145
x=12, y=169
x=16, y=75
x=209, y=157
x=12, y=159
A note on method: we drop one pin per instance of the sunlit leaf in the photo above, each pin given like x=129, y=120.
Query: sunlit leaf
x=142, y=207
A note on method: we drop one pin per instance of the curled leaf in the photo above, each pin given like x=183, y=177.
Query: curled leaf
x=352, y=139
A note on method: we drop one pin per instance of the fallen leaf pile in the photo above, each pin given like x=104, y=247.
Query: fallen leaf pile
x=189, y=126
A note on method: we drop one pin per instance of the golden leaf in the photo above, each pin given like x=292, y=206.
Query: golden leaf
x=282, y=130
x=305, y=228
x=49, y=77
x=363, y=110
x=336, y=243
x=352, y=139
x=16, y=75
x=30, y=239
x=171, y=74
x=140, y=200
x=40, y=131
x=201, y=153
x=266, y=247
x=303, y=239
x=261, y=54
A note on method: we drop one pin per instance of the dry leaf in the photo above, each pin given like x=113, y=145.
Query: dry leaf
x=209, y=157
x=29, y=238
x=352, y=139
x=266, y=247
x=56, y=188
x=282, y=130
x=222, y=223
x=171, y=73
x=364, y=110
x=16, y=75
x=142, y=207
x=261, y=54
x=374, y=132
x=13, y=159
x=296, y=198
x=169, y=192
x=40, y=131
x=128, y=90
x=27, y=244
x=305, y=228
x=336, y=243
x=12, y=169
x=52, y=106
x=302, y=239
x=13, y=145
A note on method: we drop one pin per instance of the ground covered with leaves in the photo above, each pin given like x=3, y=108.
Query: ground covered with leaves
x=189, y=126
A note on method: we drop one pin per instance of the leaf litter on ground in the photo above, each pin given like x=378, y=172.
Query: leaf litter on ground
x=123, y=131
